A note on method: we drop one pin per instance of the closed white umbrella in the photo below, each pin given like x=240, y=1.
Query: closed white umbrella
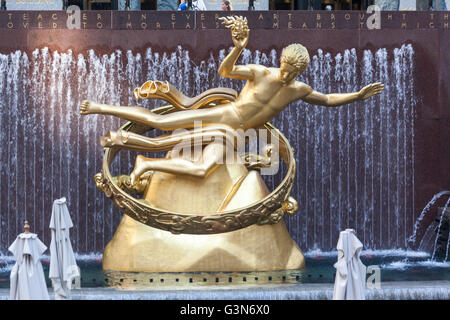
x=27, y=275
x=63, y=266
x=350, y=282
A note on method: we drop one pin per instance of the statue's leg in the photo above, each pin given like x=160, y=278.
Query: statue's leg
x=197, y=136
x=212, y=155
x=224, y=114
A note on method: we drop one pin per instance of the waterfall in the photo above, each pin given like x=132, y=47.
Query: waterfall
x=355, y=164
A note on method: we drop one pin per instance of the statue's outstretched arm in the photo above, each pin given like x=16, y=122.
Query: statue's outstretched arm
x=338, y=99
x=240, y=34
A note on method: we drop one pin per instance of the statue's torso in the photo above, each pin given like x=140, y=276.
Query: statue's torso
x=265, y=97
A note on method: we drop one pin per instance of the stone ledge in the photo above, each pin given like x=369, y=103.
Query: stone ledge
x=399, y=290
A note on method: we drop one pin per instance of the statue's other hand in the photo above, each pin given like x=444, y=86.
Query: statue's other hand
x=241, y=42
x=239, y=30
x=370, y=90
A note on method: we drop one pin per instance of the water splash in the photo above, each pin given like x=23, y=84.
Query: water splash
x=441, y=219
x=432, y=235
x=370, y=252
x=412, y=238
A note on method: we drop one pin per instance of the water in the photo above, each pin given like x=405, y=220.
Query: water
x=355, y=164
x=395, y=265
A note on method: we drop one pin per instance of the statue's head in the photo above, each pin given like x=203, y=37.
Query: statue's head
x=294, y=60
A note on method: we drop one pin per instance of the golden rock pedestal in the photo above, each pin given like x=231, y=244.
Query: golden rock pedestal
x=138, y=247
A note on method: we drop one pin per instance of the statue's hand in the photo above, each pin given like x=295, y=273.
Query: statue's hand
x=370, y=90
x=239, y=30
x=86, y=107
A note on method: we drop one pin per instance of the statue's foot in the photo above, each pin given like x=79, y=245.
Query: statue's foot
x=139, y=169
x=89, y=107
x=106, y=141
x=114, y=138
x=111, y=139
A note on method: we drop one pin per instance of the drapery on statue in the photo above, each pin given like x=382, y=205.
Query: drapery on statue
x=266, y=93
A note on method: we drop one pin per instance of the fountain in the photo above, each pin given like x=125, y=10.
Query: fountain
x=368, y=166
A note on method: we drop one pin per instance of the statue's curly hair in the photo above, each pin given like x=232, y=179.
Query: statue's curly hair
x=296, y=55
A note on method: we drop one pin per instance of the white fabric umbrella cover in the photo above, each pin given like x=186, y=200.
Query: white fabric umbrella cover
x=27, y=275
x=350, y=281
x=63, y=266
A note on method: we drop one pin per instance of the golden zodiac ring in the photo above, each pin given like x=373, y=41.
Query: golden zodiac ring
x=268, y=210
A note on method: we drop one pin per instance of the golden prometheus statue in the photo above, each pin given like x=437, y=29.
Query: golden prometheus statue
x=206, y=210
